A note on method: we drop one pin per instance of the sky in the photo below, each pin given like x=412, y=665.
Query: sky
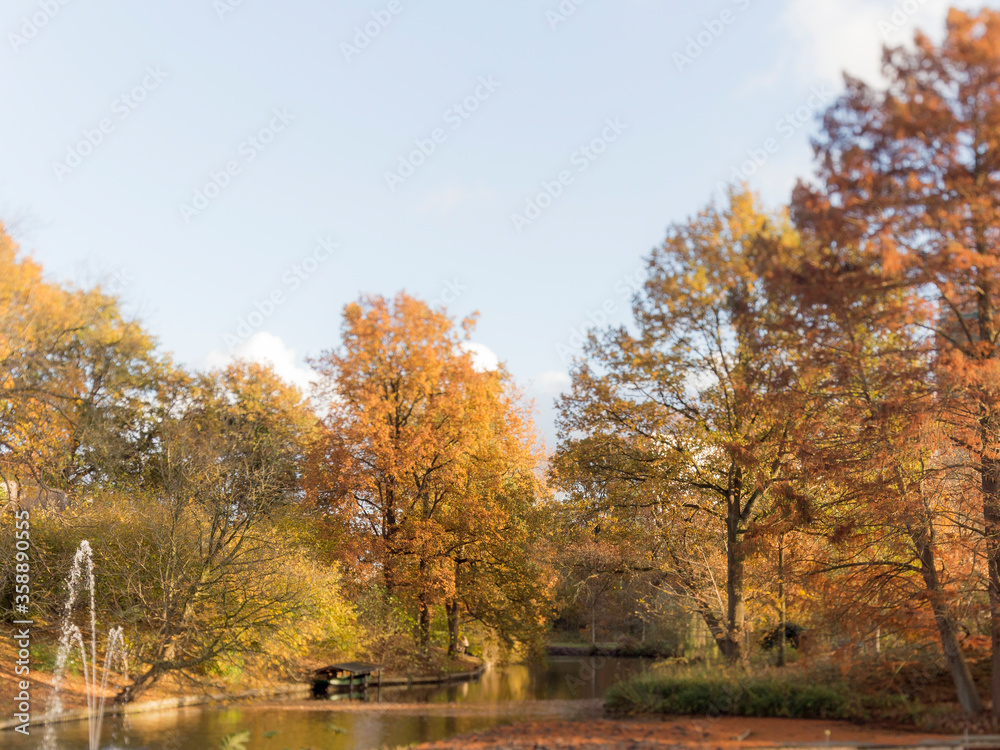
x=239, y=170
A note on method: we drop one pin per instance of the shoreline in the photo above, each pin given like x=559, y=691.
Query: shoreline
x=189, y=701
x=537, y=728
x=618, y=652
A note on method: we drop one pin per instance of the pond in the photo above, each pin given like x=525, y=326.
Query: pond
x=561, y=688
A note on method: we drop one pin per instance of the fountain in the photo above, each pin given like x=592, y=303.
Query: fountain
x=71, y=636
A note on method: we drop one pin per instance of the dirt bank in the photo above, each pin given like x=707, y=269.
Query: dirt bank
x=724, y=733
x=173, y=692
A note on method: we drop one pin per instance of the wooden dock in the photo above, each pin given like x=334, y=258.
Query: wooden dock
x=345, y=678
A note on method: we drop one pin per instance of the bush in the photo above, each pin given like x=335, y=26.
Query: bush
x=257, y=605
x=386, y=630
x=722, y=693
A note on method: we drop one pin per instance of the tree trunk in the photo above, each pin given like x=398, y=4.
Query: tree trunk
x=139, y=685
x=965, y=686
x=593, y=622
x=681, y=582
x=991, y=516
x=736, y=604
x=453, y=626
x=388, y=580
x=424, y=621
x=781, y=599
x=717, y=629
x=990, y=470
x=389, y=531
x=452, y=607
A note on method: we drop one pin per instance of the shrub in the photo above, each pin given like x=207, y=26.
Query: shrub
x=255, y=604
x=724, y=693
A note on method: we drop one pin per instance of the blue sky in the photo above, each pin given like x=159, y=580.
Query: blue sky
x=238, y=171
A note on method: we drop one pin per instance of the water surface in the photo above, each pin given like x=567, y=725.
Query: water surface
x=561, y=688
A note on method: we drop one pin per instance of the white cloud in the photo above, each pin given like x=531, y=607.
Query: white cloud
x=483, y=357
x=266, y=348
x=828, y=37
x=822, y=39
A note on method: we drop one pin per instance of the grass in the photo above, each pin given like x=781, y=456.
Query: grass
x=45, y=653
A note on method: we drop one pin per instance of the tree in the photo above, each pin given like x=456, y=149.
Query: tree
x=192, y=483
x=501, y=575
x=907, y=195
x=201, y=569
x=690, y=412
x=74, y=380
x=888, y=506
x=424, y=467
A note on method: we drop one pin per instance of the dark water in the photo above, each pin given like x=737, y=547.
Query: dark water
x=562, y=688
x=561, y=678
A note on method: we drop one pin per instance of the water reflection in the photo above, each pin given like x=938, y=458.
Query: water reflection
x=562, y=678
x=559, y=689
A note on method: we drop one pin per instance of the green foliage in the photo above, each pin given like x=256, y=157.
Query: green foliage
x=728, y=693
x=258, y=607
x=386, y=628
x=236, y=741
x=43, y=658
x=229, y=668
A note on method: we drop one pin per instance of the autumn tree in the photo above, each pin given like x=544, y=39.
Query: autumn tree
x=686, y=412
x=425, y=467
x=906, y=198
x=74, y=380
x=201, y=568
x=887, y=501
x=188, y=485
x=606, y=569
x=502, y=577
